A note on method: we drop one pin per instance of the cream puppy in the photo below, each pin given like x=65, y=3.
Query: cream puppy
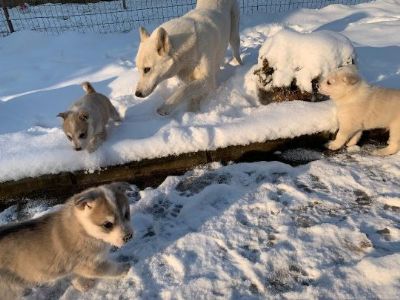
x=73, y=241
x=85, y=123
x=361, y=107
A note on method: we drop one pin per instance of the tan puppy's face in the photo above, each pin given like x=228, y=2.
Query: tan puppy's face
x=153, y=61
x=104, y=213
x=340, y=82
x=75, y=127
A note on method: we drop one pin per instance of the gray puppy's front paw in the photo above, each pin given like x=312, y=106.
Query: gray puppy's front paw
x=164, y=110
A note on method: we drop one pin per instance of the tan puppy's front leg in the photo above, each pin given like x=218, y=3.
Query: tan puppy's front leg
x=342, y=137
x=102, y=269
x=83, y=284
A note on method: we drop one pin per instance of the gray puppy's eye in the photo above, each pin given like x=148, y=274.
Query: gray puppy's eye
x=146, y=70
x=69, y=137
x=108, y=225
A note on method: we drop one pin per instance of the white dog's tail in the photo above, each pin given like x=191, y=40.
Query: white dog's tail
x=235, y=34
x=88, y=88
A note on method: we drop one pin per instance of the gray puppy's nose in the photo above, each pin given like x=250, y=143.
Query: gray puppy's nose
x=127, y=237
x=78, y=148
x=139, y=94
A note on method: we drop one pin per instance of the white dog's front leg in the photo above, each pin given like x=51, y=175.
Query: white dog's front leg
x=196, y=89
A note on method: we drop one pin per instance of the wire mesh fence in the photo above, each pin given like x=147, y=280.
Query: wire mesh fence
x=55, y=16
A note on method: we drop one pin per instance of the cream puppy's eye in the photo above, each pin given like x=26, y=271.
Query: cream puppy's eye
x=146, y=70
x=328, y=82
x=82, y=135
x=69, y=137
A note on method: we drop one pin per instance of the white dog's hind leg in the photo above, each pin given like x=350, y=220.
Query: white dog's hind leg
x=354, y=140
x=235, y=35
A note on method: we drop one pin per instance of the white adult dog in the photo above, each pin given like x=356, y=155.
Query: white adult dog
x=192, y=48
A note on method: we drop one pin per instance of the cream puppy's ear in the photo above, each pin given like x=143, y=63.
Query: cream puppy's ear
x=351, y=79
x=144, y=35
x=163, y=42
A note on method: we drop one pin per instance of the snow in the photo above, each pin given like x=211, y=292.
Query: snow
x=42, y=80
x=325, y=230
x=260, y=230
x=314, y=55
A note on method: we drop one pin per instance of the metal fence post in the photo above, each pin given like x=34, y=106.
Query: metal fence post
x=7, y=15
x=124, y=4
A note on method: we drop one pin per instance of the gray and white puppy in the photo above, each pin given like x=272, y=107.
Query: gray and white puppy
x=85, y=123
x=360, y=107
x=72, y=241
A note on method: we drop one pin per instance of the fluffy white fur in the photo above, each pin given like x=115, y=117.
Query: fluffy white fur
x=191, y=47
x=362, y=107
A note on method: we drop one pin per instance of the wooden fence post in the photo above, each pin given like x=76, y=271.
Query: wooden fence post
x=7, y=15
x=124, y=4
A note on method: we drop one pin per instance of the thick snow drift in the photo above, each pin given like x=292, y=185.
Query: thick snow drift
x=304, y=57
x=326, y=230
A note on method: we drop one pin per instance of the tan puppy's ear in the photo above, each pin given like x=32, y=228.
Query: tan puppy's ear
x=85, y=199
x=144, y=35
x=120, y=187
x=64, y=115
x=351, y=79
x=83, y=115
x=163, y=42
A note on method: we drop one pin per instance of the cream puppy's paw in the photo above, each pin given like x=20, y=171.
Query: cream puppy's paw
x=384, y=151
x=333, y=145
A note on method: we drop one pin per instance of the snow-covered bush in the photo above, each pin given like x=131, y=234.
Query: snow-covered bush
x=291, y=63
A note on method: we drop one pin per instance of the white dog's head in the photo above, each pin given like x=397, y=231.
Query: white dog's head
x=340, y=82
x=153, y=60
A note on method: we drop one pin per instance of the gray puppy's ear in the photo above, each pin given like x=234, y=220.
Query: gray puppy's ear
x=83, y=115
x=144, y=35
x=85, y=199
x=163, y=42
x=64, y=115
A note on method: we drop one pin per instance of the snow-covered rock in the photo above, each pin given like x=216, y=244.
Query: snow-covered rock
x=296, y=61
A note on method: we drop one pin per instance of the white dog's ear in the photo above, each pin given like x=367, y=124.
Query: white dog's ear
x=163, y=42
x=351, y=79
x=144, y=35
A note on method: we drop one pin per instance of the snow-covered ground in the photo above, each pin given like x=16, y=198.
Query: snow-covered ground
x=328, y=230
x=40, y=77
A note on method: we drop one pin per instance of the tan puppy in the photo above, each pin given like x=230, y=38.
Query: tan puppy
x=74, y=240
x=362, y=107
x=85, y=122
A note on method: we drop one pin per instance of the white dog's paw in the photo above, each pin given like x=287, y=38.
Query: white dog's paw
x=332, y=145
x=164, y=110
